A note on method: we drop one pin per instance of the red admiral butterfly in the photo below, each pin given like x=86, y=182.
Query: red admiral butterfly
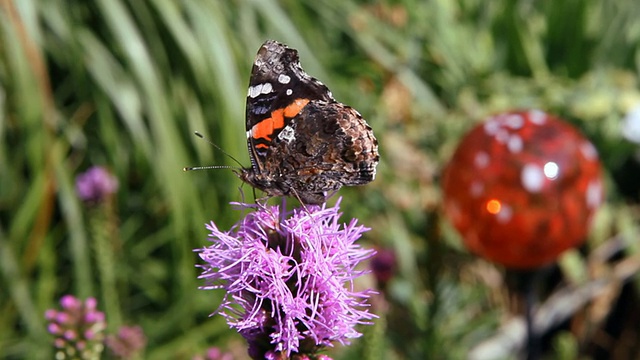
x=302, y=142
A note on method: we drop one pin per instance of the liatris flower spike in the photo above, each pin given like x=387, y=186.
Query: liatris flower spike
x=289, y=279
x=128, y=343
x=96, y=184
x=214, y=353
x=78, y=328
x=383, y=265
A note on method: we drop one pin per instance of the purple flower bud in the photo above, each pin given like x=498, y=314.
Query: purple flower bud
x=70, y=302
x=70, y=335
x=62, y=318
x=94, y=316
x=96, y=184
x=59, y=343
x=50, y=314
x=54, y=329
x=213, y=353
x=91, y=303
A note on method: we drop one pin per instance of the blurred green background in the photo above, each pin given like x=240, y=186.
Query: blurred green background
x=124, y=83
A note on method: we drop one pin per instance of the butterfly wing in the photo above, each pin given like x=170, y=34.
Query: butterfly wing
x=278, y=89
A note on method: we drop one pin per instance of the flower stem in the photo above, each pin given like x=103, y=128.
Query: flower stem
x=103, y=230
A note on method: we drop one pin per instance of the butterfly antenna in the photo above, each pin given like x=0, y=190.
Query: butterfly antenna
x=198, y=134
x=210, y=167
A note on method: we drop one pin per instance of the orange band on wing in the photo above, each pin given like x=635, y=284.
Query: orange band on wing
x=293, y=109
x=265, y=128
x=278, y=119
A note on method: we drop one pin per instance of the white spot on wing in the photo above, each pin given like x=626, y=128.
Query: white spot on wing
x=289, y=91
x=249, y=133
x=266, y=88
x=287, y=134
x=283, y=79
x=255, y=90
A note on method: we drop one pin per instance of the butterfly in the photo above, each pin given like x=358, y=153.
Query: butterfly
x=302, y=142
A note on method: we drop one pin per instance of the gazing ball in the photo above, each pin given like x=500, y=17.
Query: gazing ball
x=522, y=188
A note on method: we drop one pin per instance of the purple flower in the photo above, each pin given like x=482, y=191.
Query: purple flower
x=289, y=279
x=78, y=328
x=383, y=265
x=214, y=353
x=96, y=184
x=128, y=343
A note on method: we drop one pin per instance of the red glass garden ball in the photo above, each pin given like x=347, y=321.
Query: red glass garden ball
x=522, y=188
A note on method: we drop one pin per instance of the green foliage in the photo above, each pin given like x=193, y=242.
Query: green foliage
x=124, y=83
